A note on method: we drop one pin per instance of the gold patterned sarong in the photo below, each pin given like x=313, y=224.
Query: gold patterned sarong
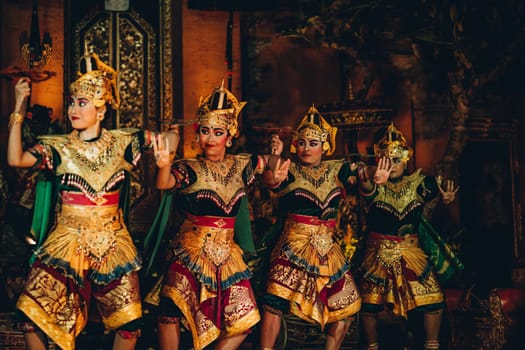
x=89, y=254
x=398, y=272
x=209, y=281
x=90, y=239
x=310, y=271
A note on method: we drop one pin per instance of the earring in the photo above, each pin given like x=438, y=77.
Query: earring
x=229, y=143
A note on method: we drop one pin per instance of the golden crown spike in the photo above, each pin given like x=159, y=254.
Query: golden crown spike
x=220, y=108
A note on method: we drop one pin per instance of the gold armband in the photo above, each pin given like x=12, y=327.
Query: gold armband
x=14, y=119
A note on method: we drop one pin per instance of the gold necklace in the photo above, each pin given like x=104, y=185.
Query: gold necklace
x=217, y=168
x=93, y=154
x=316, y=175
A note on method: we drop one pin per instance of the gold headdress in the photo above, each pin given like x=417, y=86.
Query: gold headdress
x=393, y=145
x=220, y=108
x=314, y=126
x=98, y=83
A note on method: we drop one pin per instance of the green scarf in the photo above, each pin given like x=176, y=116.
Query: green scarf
x=44, y=199
x=445, y=261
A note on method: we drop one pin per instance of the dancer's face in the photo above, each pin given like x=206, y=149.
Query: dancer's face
x=309, y=151
x=398, y=167
x=213, y=141
x=83, y=114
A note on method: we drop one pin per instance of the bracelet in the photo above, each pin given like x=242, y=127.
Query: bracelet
x=14, y=119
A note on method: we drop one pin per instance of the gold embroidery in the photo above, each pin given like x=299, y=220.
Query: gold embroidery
x=98, y=164
x=96, y=230
x=389, y=253
x=346, y=296
x=320, y=182
x=52, y=295
x=322, y=242
x=311, y=247
x=217, y=252
x=220, y=223
x=294, y=280
x=122, y=303
x=315, y=175
x=240, y=304
x=219, y=180
x=100, y=200
x=399, y=195
x=304, y=290
x=92, y=154
x=219, y=171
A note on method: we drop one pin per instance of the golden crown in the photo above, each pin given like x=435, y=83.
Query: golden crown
x=99, y=83
x=393, y=145
x=220, y=108
x=313, y=126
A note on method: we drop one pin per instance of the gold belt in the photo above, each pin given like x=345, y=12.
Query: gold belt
x=95, y=226
x=216, y=242
x=390, y=251
x=319, y=234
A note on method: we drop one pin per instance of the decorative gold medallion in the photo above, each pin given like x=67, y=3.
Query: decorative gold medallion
x=217, y=252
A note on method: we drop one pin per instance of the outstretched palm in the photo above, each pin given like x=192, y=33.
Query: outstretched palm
x=161, y=150
x=383, y=170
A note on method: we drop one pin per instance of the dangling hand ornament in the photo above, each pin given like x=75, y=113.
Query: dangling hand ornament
x=276, y=145
x=383, y=170
x=449, y=193
x=278, y=167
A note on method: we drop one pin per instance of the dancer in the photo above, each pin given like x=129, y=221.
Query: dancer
x=396, y=270
x=88, y=255
x=206, y=286
x=309, y=275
